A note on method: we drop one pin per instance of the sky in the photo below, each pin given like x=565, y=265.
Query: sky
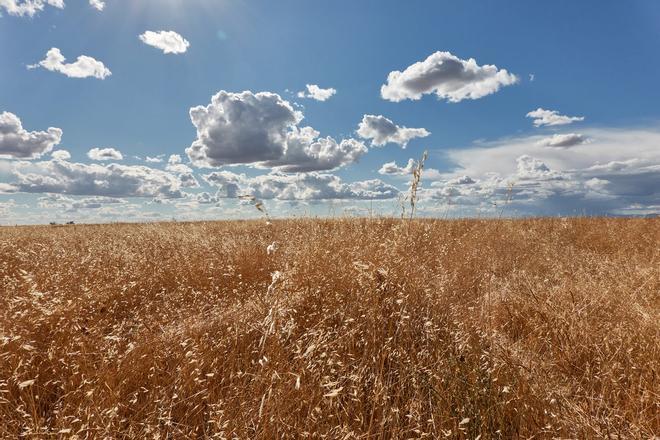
x=147, y=110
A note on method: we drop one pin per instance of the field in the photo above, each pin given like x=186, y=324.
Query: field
x=355, y=328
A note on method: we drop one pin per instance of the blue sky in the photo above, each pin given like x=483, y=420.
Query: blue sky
x=593, y=61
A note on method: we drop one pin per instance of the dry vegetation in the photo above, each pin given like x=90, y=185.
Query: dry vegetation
x=368, y=329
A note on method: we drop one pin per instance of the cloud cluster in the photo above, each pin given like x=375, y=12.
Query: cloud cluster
x=261, y=130
x=28, y=7
x=317, y=93
x=300, y=186
x=83, y=67
x=383, y=131
x=16, y=142
x=70, y=204
x=169, y=42
x=112, y=180
x=616, y=172
x=448, y=76
x=103, y=154
x=543, y=117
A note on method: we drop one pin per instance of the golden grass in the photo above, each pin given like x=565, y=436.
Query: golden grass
x=382, y=328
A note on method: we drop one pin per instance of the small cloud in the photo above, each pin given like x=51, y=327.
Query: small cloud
x=448, y=76
x=102, y=154
x=317, y=93
x=564, y=140
x=155, y=159
x=543, y=117
x=532, y=77
x=97, y=4
x=382, y=131
x=169, y=42
x=83, y=67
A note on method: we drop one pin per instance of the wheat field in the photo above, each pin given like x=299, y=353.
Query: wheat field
x=344, y=328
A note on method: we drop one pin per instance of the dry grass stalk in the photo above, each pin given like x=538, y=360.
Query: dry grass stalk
x=370, y=329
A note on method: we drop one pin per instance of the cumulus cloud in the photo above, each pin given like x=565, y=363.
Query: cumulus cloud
x=28, y=7
x=382, y=131
x=16, y=142
x=543, y=117
x=564, y=140
x=112, y=180
x=99, y=5
x=618, y=173
x=169, y=42
x=102, y=154
x=261, y=130
x=184, y=172
x=391, y=168
x=60, y=155
x=83, y=67
x=317, y=93
x=300, y=186
x=448, y=76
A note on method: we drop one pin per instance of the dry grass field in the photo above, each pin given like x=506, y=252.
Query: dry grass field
x=356, y=328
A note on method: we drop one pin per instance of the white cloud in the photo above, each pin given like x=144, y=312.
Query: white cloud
x=16, y=142
x=28, y=7
x=167, y=41
x=112, y=180
x=564, y=140
x=317, y=93
x=83, y=67
x=261, y=130
x=155, y=159
x=383, y=131
x=543, y=117
x=102, y=154
x=97, y=4
x=300, y=186
x=71, y=204
x=184, y=172
x=60, y=155
x=448, y=76
x=392, y=168
x=617, y=171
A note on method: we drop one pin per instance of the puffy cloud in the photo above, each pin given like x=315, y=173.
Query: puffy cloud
x=392, y=168
x=83, y=67
x=564, y=140
x=167, y=41
x=97, y=4
x=300, y=186
x=28, y=7
x=184, y=172
x=60, y=155
x=112, y=180
x=305, y=151
x=261, y=129
x=383, y=131
x=317, y=93
x=617, y=172
x=16, y=142
x=543, y=117
x=448, y=76
x=102, y=154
